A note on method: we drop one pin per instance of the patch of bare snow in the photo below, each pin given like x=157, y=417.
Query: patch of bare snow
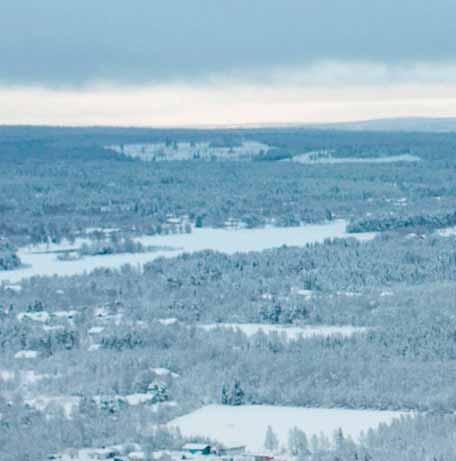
x=26, y=354
x=53, y=327
x=326, y=158
x=349, y=294
x=168, y=321
x=7, y=375
x=14, y=287
x=32, y=376
x=69, y=315
x=247, y=424
x=164, y=372
x=307, y=294
x=447, y=232
x=42, y=316
x=290, y=332
x=67, y=403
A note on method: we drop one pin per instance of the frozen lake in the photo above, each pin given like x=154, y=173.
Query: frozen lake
x=247, y=424
x=223, y=240
x=291, y=332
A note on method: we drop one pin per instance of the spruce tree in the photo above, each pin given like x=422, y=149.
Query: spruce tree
x=271, y=442
x=225, y=398
x=237, y=397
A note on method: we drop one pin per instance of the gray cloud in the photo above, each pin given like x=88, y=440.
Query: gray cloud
x=54, y=42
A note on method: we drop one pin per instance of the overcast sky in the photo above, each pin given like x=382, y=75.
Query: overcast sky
x=191, y=62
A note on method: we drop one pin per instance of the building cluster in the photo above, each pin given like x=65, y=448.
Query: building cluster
x=206, y=452
x=189, y=452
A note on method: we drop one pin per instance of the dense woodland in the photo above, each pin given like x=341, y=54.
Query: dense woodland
x=8, y=256
x=57, y=182
x=99, y=336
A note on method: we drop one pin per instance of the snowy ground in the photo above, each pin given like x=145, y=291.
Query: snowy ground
x=7, y=375
x=130, y=451
x=316, y=158
x=42, y=403
x=223, y=240
x=187, y=151
x=291, y=332
x=164, y=372
x=26, y=354
x=246, y=425
x=70, y=403
x=27, y=377
x=447, y=232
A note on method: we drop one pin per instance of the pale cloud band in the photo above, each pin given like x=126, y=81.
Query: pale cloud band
x=324, y=92
x=224, y=62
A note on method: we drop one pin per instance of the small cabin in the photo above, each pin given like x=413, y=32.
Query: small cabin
x=234, y=450
x=260, y=457
x=197, y=448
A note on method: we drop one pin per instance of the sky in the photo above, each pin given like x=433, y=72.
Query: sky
x=225, y=62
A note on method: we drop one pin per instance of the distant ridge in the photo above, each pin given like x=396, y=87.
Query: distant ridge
x=398, y=124
x=405, y=124
x=423, y=124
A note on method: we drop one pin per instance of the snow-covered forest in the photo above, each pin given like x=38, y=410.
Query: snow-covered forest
x=337, y=346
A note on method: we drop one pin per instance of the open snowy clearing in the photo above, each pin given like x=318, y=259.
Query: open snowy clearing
x=189, y=151
x=318, y=158
x=44, y=316
x=246, y=425
x=164, y=372
x=26, y=354
x=28, y=377
x=132, y=451
x=291, y=332
x=7, y=375
x=66, y=403
x=70, y=403
x=223, y=240
x=447, y=232
x=168, y=321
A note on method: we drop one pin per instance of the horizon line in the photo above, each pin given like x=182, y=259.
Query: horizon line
x=231, y=126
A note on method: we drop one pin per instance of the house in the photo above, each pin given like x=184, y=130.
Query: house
x=233, y=223
x=262, y=457
x=234, y=450
x=197, y=448
x=173, y=220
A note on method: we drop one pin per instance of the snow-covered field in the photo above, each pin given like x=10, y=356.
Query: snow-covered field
x=245, y=240
x=164, y=372
x=69, y=403
x=130, y=451
x=28, y=377
x=66, y=403
x=291, y=332
x=246, y=425
x=7, y=375
x=223, y=240
x=42, y=316
x=188, y=151
x=316, y=158
x=447, y=232
x=45, y=317
x=26, y=354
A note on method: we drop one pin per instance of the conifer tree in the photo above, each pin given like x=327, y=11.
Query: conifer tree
x=271, y=442
x=237, y=397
